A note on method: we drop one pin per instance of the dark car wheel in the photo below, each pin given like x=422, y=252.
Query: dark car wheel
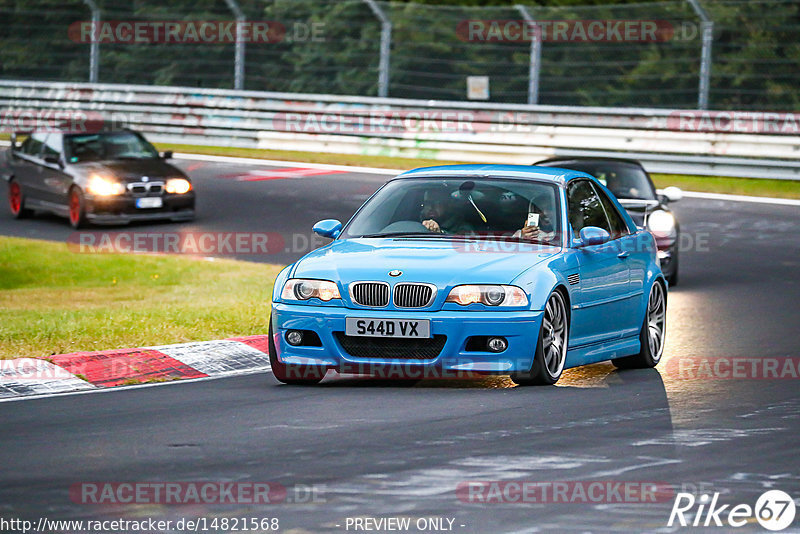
x=296, y=375
x=16, y=201
x=652, y=334
x=551, y=349
x=77, y=208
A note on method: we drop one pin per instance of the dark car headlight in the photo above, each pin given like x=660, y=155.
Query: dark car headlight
x=302, y=289
x=490, y=295
x=178, y=186
x=104, y=186
x=661, y=223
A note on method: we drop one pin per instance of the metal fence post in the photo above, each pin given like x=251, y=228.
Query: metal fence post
x=94, y=50
x=238, y=62
x=705, y=55
x=535, y=62
x=386, y=43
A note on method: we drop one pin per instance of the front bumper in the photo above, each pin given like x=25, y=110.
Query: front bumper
x=519, y=328
x=123, y=209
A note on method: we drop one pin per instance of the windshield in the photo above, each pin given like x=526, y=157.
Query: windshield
x=626, y=181
x=107, y=146
x=436, y=207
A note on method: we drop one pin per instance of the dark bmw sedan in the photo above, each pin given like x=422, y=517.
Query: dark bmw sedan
x=105, y=176
x=634, y=189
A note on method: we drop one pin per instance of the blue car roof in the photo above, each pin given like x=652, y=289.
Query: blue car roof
x=551, y=174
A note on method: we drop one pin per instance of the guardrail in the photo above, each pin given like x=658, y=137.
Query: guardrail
x=756, y=145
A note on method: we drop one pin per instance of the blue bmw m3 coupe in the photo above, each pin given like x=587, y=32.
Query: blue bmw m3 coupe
x=463, y=269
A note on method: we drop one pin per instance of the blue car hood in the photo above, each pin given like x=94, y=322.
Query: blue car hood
x=437, y=261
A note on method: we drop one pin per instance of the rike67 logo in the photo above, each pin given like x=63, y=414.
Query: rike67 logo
x=774, y=510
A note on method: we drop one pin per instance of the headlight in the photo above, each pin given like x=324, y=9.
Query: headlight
x=661, y=223
x=104, y=187
x=504, y=296
x=299, y=289
x=178, y=186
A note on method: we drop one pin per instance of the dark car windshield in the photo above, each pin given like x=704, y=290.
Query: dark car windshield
x=107, y=146
x=459, y=207
x=625, y=180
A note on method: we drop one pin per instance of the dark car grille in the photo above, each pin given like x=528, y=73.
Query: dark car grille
x=373, y=294
x=412, y=295
x=391, y=348
x=144, y=188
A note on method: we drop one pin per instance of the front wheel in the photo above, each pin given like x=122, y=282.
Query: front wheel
x=16, y=201
x=551, y=349
x=652, y=334
x=77, y=209
x=295, y=375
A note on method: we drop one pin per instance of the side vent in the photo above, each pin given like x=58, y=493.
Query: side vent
x=574, y=279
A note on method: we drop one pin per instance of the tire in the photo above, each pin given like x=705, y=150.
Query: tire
x=16, y=201
x=77, y=208
x=652, y=334
x=551, y=348
x=295, y=375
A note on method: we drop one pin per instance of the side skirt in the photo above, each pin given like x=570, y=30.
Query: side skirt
x=602, y=351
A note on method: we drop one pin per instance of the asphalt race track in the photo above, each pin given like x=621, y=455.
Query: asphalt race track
x=383, y=449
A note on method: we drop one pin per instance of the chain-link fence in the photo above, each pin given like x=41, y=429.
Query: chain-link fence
x=721, y=54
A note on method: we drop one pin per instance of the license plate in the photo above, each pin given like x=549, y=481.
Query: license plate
x=406, y=328
x=149, y=202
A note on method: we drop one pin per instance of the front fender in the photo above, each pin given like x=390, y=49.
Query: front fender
x=541, y=281
x=280, y=281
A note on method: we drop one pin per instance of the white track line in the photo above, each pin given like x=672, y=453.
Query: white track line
x=279, y=163
x=743, y=198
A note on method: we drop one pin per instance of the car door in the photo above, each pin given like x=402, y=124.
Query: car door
x=603, y=306
x=633, y=254
x=26, y=168
x=55, y=182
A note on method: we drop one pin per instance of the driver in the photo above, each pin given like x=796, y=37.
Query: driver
x=440, y=214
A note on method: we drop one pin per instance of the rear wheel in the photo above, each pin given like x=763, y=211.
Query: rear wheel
x=296, y=375
x=16, y=201
x=652, y=333
x=551, y=349
x=77, y=208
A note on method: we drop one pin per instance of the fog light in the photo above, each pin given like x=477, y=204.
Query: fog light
x=497, y=344
x=294, y=337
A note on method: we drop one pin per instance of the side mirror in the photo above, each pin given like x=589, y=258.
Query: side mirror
x=167, y=154
x=52, y=160
x=672, y=194
x=592, y=235
x=328, y=228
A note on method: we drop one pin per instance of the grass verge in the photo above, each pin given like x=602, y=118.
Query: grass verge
x=706, y=184
x=53, y=301
x=756, y=187
x=357, y=160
